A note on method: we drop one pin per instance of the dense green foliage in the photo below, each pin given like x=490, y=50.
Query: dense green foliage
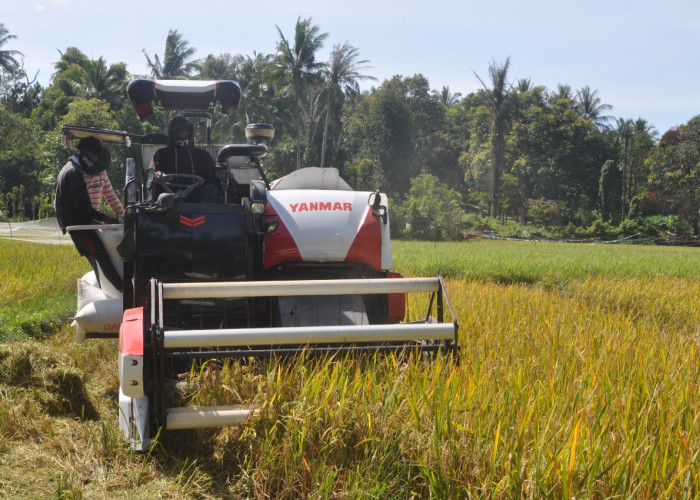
x=511, y=151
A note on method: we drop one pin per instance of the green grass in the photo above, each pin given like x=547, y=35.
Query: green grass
x=579, y=377
x=542, y=262
x=37, y=288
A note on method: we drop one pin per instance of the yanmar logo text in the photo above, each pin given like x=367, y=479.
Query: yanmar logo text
x=197, y=221
x=319, y=206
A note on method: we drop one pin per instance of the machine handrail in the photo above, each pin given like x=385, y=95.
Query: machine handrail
x=241, y=289
x=183, y=339
x=85, y=227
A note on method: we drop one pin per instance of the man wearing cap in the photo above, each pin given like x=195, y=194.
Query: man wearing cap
x=181, y=157
x=80, y=187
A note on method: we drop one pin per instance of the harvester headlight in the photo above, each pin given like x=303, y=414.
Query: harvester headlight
x=271, y=226
x=258, y=208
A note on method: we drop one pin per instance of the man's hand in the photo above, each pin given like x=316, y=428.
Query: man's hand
x=158, y=177
x=224, y=174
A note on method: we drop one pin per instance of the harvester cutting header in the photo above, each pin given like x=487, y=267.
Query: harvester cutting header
x=300, y=264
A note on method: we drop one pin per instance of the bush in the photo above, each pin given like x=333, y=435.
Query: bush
x=397, y=217
x=629, y=227
x=432, y=210
x=573, y=231
x=600, y=229
x=475, y=222
x=546, y=212
x=659, y=225
x=584, y=218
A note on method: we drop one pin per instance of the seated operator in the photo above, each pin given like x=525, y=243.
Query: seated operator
x=180, y=156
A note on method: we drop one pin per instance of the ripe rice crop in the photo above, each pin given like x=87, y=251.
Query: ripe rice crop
x=579, y=376
x=37, y=287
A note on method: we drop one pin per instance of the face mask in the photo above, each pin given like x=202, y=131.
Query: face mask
x=85, y=160
x=183, y=142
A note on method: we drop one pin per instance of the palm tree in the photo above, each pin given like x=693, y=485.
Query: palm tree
x=297, y=65
x=221, y=67
x=7, y=57
x=642, y=126
x=644, y=137
x=524, y=85
x=624, y=131
x=589, y=105
x=498, y=101
x=176, y=64
x=445, y=97
x=563, y=92
x=253, y=75
x=71, y=57
x=342, y=76
x=94, y=79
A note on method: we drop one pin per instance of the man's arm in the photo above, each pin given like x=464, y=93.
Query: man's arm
x=154, y=166
x=111, y=197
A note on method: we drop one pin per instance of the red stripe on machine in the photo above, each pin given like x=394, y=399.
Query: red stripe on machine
x=396, y=302
x=367, y=246
x=186, y=221
x=131, y=332
x=280, y=245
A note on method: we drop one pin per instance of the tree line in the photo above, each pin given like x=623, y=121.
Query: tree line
x=511, y=153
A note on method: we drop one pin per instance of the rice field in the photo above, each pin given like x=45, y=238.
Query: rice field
x=579, y=376
x=544, y=263
x=37, y=287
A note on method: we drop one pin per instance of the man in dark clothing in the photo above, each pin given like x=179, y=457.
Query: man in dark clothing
x=74, y=208
x=181, y=157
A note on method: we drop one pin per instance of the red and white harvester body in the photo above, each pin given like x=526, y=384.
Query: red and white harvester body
x=299, y=265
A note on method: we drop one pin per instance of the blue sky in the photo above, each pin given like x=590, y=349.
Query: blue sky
x=641, y=56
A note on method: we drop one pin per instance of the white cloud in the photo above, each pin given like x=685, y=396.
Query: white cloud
x=39, y=7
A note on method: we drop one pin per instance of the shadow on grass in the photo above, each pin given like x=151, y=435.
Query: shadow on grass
x=60, y=390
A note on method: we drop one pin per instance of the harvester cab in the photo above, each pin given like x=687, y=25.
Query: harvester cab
x=298, y=265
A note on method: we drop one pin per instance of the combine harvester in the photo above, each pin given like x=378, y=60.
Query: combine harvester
x=299, y=265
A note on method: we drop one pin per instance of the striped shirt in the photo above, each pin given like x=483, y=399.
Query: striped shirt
x=97, y=186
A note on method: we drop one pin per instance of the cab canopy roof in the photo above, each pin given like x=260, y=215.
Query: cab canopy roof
x=182, y=95
x=69, y=133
